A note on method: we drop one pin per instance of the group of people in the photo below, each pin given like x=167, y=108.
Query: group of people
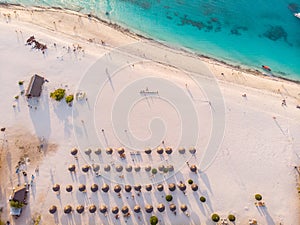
x=36, y=44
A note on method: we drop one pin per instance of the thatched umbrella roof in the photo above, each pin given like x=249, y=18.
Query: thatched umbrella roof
x=80, y=209
x=72, y=168
x=67, y=209
x=115, y=210
x=181, y=150
x=137, y=209
x=192, y=150
x=169, y=150
x=182, y=186
x=148, y=151
x=92, y=208
x=103, y=208
x=74, y=151
x=128, y=188
x=117, y=188
x=137, y=187
x=160, y=187
x=160, y=150
x=119, y=168
x=98, y=151
x=121, y=150
x=52, y=209
x=148, y=187
x=161, y=207
x=161, y=168
x=172, y=207
x=56, y=187
x=94, y=187
x=125, y=209
x=170, y=168
x=128, y=168
x=82, y=187
x=96, y=167
x=85, y=168
x=109, y=151
x=193, y=168
x=105, y=188
x=149, y=208
x=88, y=151
x=107, y=168
x=137, y=168
x=148, y=168
x=183, y=207
x=69, y=188
x=194, y=187
x=172, y=187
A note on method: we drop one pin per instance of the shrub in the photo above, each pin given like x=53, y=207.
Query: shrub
x=153, y=220
x=231, y=218
x=215, y=217
x=69, y=98
x=16, y=204
x=36, y=221
x=17, y=97
x=166, y=170
x=154, y=171
x=202, y=199
x=190, y=181
x=58, y=94
x=21, y=82
x=258, y=197
x=169, y=198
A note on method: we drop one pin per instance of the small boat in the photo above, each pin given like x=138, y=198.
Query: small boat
x=297, y=15
x=266, y=67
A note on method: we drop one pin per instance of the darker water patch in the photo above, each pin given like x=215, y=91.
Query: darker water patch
x=211, y=25
x=275, y=33
x=293, y=7
x=142, y=4
x=236, y=30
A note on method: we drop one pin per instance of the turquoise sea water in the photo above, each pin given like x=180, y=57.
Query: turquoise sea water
x=245, y=32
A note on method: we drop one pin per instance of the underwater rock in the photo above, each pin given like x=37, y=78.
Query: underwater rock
x=275, y=33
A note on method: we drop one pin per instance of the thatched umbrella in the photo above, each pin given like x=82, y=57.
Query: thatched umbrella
x=183, y=207
x=69, y=188
x=103, y=208
x=125, y=209
x=194, y=187
x=192, y=150
x=137, y=209
x=105, y=188
x=182, y=186
x=193, y=168
x=160, y=150
x=148, y=168
x=149, y=208
x=161, y=168
x=80, y=209
x=172, y=187
x=98, y=151
x=107, y=168
x=74, y=151
x=169, y=150
x=161, y=207
x=92, y=208
x=121, y=150
x=67, y=209
x=115, y=210
x=72, y=168
x=85, y=168
x=128, y=168
x=96, y=167
x=94, y=187
x=82, y=187
x=148, y=187
x=181, y=150
x=148, y=151
x=119, y=168
x=172, y=207
x=117, y=188
x=56, y=187
x=160, y=187
x=137, y=168
x=170, y=168
x=137, y=187
x=128, y=188
x=88, y=151
x=52, y=209
x=109, y=151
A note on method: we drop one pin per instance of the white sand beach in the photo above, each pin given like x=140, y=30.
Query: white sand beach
x=139, y=94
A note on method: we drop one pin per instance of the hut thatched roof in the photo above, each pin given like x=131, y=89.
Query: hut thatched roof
x=115, y=210
x=148, y=187
x=107, y=168
x=82, y=187
x=85, y=168
x=148, y=168
x=181, y=150
x=172, y=207
x=160, y=187
x=72, y=168
x=94, y=187
x=182, y=186
x=67, y=209
x=103, y=208
x=194, y=187
x=88, y=151
x=137, y=209
x=128, y=188
x=121, y=150
x=119, y=168
x=137, y=187
x=192, y=150
x=149, y=208
x=137, y=168
x=98, y=151
x=125, y=209
x=128, y=168
x=105, y=188
x=172, y=187
x=56, y=187
x=52, y=209
x=92, y=208
x=183, y=207
x=160, y=150
x=74, y=151
x=193, y=168
x=148, y=151
x=170, y=168
x=161, y=207
x=80, y=209
x=69, y=188
x=169, y=150
x=117, y=188
x=161, y=168
x=96, y=167
x=109, y=151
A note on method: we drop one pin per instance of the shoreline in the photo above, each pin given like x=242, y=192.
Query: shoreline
x=130, y=33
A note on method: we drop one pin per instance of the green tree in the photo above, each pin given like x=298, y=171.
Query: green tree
x=258, y=197
x=231, y=217
x=202, y=199
x=69, y=98
x=58, y=94
x=153, y=220
x=169, y=198
x=215, y=217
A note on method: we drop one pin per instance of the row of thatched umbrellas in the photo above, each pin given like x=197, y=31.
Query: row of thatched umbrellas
x=159, y=150
x=115, y=210
x=127, y=188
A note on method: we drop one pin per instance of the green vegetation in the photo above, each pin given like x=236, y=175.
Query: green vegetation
x=154, y=171
x=202, y=199
x=190, y=181
x=16, y=204
x=258, y=197
x=37, y=220
x=215, y=217
x=58, y=94
x=169, y=198
x=69, y=99
x=17, y=97
x=21, y=82
x=166, y=170
x=153, y=220
x=231, y=218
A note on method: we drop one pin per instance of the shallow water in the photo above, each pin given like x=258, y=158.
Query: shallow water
x=238, y=32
